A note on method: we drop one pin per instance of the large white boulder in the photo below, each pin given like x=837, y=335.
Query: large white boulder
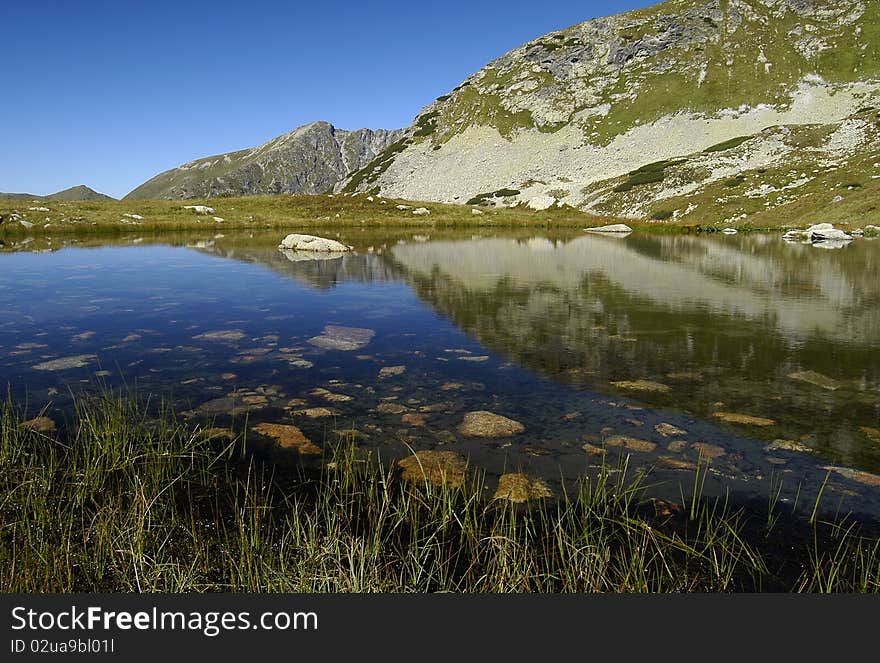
x=298, y=242
x=613, y=228
x=200, y=209
x=819, y=232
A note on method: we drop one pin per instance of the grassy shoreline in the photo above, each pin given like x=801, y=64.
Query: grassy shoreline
x=292, y=212
x=131, y=502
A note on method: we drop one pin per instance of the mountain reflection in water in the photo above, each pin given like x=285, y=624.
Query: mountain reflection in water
x=584, y=339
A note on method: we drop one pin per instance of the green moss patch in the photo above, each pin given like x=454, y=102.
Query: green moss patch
x=483, y=198
x=727, y=145
x=647, y=174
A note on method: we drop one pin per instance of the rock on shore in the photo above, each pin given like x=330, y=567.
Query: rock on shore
x=297, y=242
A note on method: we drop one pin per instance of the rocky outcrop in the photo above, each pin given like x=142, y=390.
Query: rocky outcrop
x=310, y=159
x=613, y=228
x=820, y=232
x=297, y=242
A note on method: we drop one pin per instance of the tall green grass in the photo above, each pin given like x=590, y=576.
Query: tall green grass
x=125, y=501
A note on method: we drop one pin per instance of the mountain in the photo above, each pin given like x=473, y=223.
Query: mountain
x=309, y=159
x=693, y=110
x=80, y=192
x=19, y=196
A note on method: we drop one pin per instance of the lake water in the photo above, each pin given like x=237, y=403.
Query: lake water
x=760, y=355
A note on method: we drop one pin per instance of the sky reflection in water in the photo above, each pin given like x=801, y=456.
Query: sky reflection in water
x=580, y=338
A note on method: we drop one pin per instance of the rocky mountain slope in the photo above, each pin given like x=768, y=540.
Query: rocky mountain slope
x=693, y=110
x=80, y=192
x=309, y=159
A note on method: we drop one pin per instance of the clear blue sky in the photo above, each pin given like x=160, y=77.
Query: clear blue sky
x=108, y=94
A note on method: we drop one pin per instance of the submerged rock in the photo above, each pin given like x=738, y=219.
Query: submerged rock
x=221, y=335
x=389, y=371
x=865, y=478
x=297, y=242
x=630, y=443
x=482, y=423
x=216, y=433
x=389, y=407
x=40, y=425
x=330, y=396
x=335, y=337
x=519, y=488
x=744, y=419
x=814, y=378
x=873, y=433
x=668, y=430
x=414, y=419
x=435, y=467
x=707, y=450
x=671, y=463
x=316, y=412
x=288, y=437
x=65, y=363
x=788, y=445
x=641, y=385
x=227, y=405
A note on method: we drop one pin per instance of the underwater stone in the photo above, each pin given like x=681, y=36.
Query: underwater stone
x=630, y=443
x=65, y=363
x=482, y=423
x=335, y=337
x=435, y=467
x=519, y=488
x=288, y=437
x=744, y=419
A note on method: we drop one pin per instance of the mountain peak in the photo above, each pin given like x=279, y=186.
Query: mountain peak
x=309, y=159
x=78, y=192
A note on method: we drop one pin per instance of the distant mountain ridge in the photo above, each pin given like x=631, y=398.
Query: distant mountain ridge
x=79, y=192
x=310, y=159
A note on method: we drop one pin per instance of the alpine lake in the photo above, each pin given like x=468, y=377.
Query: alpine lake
x=556, y=354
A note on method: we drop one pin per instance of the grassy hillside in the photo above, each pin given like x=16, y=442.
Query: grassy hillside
x=584, y=114
x=282, y=212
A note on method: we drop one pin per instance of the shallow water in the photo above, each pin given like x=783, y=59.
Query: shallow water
x=579, y=337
